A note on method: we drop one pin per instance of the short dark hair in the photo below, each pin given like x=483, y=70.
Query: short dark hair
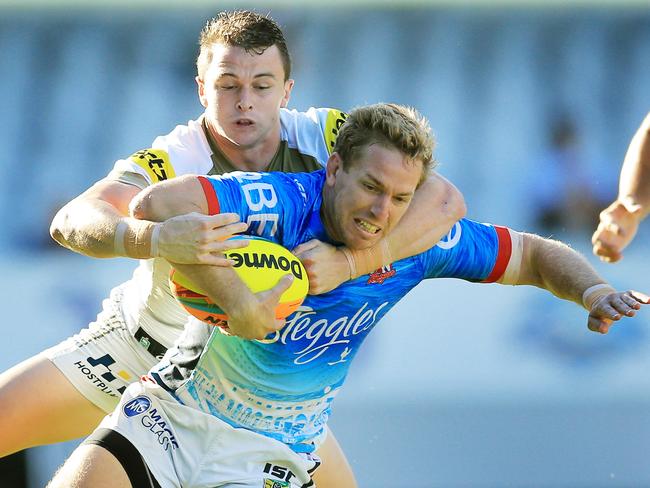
x=242, y=28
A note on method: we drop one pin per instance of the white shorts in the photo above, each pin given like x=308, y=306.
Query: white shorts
x=103, y=359
x=184, y=447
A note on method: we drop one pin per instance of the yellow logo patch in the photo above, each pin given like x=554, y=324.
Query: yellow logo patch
x=335, y=119
x=156, y=163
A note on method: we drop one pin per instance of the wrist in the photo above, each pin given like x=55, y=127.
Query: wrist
x=633, y=207
x=136, y=239
x=592, y=294
x=352, y=267
x=364, y=261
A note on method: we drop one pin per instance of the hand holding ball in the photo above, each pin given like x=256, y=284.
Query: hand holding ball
x=260, y=266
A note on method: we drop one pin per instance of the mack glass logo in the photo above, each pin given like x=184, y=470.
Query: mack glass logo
x=137, y=406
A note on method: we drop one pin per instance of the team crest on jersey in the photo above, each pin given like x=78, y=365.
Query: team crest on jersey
x=335, y=119
x=381, y=275
x=269, y=483
x=156, y=163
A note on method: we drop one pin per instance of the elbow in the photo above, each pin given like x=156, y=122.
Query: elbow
x=142, y=207
x=454, y=206
x=167, y=199
x=59, y=229
x=457, y=205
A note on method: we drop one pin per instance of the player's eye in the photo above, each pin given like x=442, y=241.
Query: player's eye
x=401, y=200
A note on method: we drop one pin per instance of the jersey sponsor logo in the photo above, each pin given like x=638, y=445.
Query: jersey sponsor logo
x=137, y=406
x=323, y=334
x=451, y=239
x=98, y=371
x=263, y=260
x=155, y=424
x=156, y=163
x=281, y=472
x=258, y=196
x=381, y=275
x=335, y=119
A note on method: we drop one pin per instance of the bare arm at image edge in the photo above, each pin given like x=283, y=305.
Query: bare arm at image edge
x=620, y=221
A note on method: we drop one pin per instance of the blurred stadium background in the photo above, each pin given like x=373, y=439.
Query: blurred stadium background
x=533, y=104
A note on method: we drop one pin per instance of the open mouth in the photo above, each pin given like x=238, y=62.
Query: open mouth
x=244, y=122
x=367, y=227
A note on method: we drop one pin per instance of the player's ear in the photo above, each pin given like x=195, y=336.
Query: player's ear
x=201, y=91
x=288, y=86
x=334, y=166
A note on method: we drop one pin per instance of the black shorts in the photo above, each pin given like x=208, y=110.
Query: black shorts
x=133, y=463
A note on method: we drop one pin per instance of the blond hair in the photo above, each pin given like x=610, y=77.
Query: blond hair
x=390, y=125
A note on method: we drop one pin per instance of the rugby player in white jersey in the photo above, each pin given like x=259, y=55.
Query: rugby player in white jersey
x=244, y=84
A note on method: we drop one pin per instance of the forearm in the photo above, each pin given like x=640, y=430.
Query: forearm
x=437, y=205
x=559, y=269
x=89, y=227
x=634, y=184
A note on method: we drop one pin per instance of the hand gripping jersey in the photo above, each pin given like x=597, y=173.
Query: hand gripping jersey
x=306, y=142
x=283, y=386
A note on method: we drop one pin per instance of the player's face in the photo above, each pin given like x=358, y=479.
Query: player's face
x=365, y=202
x=243, y=93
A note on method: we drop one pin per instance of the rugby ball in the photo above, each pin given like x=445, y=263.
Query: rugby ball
x=260, y=265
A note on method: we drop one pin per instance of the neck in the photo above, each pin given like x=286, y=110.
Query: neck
x=254, y=158
x=327, y=214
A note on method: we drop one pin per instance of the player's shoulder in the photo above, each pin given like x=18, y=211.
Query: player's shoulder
x=184, y=150
x=187, y=148
x=315, y=129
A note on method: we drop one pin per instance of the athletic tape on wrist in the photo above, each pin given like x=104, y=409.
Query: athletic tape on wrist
x=155, y=235
x=594, y=292
x=118, y=241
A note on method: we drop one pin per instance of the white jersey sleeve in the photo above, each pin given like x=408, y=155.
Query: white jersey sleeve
x=185, y=150
x=313, y=132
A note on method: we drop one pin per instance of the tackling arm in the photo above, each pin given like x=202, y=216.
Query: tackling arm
x=436, y=206
x=619, y=222
x=251, y=316
x=88, y=223
x=568, y=275
x=97, y=224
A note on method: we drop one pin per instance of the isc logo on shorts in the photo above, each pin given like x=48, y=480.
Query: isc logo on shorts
x=136, y=406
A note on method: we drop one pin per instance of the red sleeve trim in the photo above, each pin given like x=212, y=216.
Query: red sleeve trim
x=210, y=196
x=503, y=256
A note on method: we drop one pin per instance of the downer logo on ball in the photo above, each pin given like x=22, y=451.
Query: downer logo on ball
x=262, y=260
x=137, y=406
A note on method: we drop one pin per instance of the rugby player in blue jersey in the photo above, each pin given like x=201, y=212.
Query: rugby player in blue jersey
x=224, y=411
x=244, y=85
